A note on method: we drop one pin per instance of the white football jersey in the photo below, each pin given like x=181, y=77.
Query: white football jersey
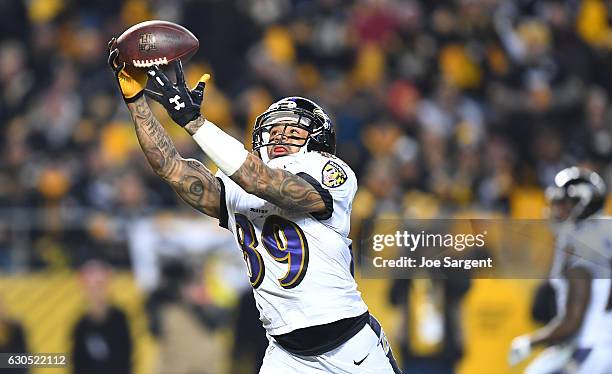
x=587, y=245
x=299, y=265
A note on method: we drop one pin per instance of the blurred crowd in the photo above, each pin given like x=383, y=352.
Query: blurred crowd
x=439, y=106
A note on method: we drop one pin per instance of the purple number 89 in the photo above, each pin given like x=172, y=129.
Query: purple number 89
x=284, y=241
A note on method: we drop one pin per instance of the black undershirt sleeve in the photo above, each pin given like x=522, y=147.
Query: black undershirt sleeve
x=223, y=215
x=325, y=195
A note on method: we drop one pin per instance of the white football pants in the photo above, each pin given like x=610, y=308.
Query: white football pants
x=366, y=352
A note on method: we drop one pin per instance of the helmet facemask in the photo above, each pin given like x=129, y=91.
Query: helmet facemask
x=283, y=119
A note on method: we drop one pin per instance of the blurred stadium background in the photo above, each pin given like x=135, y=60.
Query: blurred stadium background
x=463, y=108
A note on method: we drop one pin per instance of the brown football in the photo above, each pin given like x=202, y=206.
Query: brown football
x=156, y=43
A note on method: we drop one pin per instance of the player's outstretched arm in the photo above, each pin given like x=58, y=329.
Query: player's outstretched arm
x=191, y=180
x=279, y=187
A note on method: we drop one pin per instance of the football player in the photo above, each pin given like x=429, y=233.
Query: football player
x=288, y=204
x=579, y=338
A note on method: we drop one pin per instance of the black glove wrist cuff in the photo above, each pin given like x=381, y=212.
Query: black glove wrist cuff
x=187, y=119
x=134, y=98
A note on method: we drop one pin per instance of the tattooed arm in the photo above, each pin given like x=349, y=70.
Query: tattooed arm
x=280, y=187
x=191, y=180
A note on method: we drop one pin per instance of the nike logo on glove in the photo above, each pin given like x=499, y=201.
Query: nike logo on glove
x=360, y=361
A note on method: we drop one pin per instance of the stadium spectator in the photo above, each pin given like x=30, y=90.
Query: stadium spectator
x=250, y=341
x=431, y=332
x=186, y=323
x=12, y=337
x=101, y=338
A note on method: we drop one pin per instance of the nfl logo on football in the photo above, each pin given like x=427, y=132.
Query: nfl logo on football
x=146, y=42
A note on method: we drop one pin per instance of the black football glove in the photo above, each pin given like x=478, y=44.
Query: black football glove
x=131, y=83
x=181, y=103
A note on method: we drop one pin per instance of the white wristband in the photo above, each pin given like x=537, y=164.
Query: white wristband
x=225, y=151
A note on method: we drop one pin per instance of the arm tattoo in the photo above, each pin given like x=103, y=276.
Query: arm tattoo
x=191, y=180
x=193, y=126
x=280, y=187
x=198, y=187
x=154, y=141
